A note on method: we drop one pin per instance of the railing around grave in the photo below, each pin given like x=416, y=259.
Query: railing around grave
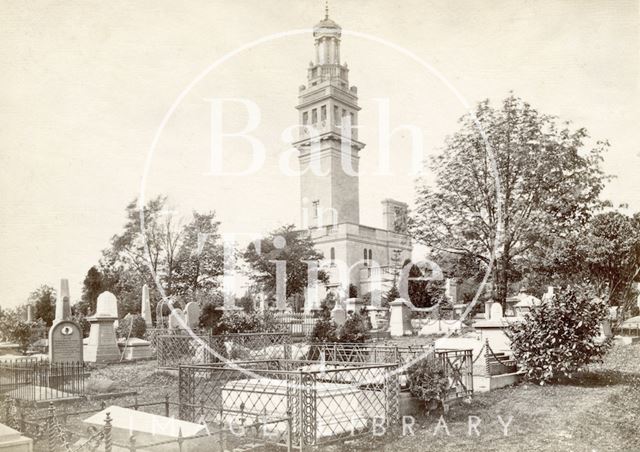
x=176, y=349
x=326, y=401
x=39, y=380
x=458, y=364
x=297, y=324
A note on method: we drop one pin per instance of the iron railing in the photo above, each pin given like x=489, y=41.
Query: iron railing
x=39, y=380
x=325, y=401
x=177, y=349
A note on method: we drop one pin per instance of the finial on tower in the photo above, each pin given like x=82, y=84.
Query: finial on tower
x=326, y=9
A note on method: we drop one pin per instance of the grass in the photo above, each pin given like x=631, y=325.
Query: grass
x=598, y=410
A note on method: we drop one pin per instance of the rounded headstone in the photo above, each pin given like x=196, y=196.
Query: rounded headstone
x=107, y=305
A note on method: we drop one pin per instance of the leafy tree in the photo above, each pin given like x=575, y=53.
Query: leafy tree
x=92, y=286
x=186, y=260
x=324, y=330
x=298, y=247
x=392, y=294
x=353, y=291
x=560, y=336
x=498, y=203
x=355, y=329
x=13, y=328
x=246, y=303
x=422, y=291
x=132, y=326
x=44, y=300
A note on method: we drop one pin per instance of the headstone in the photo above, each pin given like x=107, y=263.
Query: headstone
x=65, y=342
x=101, y=345
x=548, y=295
x=12, y=441
x=261, y=303
x=338, y=314
x=352, y=305
x=176, y=319
x=496, y=311
x=400, y=320
x=451, y=290
x=145, y=310
x=192, y=314
x=107, y=306
x=63, y=303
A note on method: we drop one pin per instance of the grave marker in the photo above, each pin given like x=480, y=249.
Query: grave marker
x=145, y=311
x=65, y=342
x=192, y=314
x=175, y=317
x=63, y=304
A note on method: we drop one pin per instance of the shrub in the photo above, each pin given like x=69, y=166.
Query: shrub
x=355, y=329
x=560, y=336
x=353, y=291
x=428, y=381
x=209, y=315
x=14, y=329
x=240, y=322
x=133, y=323
x=246, y=303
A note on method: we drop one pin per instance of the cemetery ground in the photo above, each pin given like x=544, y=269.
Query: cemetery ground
x=597, y=410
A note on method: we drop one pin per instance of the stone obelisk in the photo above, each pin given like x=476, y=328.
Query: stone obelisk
x=146, y=306
x=63, y=303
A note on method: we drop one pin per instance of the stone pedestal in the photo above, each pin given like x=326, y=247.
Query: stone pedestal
x=352, y=305
x=12, y=441
x=102, y=346
x=338, y=314
x=400, y=321
x=135, y=348
x=377, y=316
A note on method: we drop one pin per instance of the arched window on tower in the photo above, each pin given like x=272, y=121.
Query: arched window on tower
x=364, y=256
x=370, y=257
x=333, y=254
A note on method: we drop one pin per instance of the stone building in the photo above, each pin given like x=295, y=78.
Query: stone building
x=329, y=153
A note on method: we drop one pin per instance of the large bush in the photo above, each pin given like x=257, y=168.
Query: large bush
x=131, y=326
x=355, y=328
x=428, y=381
x=14, y=329
x=560, y=336
x=241, y=322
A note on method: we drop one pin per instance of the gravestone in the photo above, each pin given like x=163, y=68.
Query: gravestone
x=65, y=342
x=63, y=303
x=176, y=319
x=109, y=307
x=101, y=345
x=496, y=311
x=192, y=314
x=400, y=320
x=145, y=310
x=338, y=315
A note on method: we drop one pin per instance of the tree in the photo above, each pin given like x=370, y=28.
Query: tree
x=605, y=252
x=296, y=248
x=13, y=328
x=44, y=300
x=560, y=336
x=92, y=286
x=185, y=260
x=506, y=183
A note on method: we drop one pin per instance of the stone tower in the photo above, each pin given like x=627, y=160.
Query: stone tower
x=328, y=142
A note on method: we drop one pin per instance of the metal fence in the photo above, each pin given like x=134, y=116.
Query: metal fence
x=37, y=380
x=176, y=349
x=298, y=404
x=457, y=364
x=297, y=324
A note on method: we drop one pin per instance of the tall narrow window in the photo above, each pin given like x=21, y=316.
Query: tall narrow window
x=314, y=116
x=305, y=118
x=365, y=254
x=315, y=209
x=336, y=115
x=370, y=256
x=323, y=113
x=353, y=119
x=333, y=254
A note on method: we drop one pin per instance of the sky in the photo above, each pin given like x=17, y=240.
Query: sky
x=85, y=86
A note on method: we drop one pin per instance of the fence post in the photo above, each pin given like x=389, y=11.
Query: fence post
x=166, y=405
x=107, y=434
x=51, y=435
x=132, y=443
x=486, y=356
x=289, y=432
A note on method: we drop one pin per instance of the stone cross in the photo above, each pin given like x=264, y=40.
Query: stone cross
x=145, y=311
x=63, y=303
